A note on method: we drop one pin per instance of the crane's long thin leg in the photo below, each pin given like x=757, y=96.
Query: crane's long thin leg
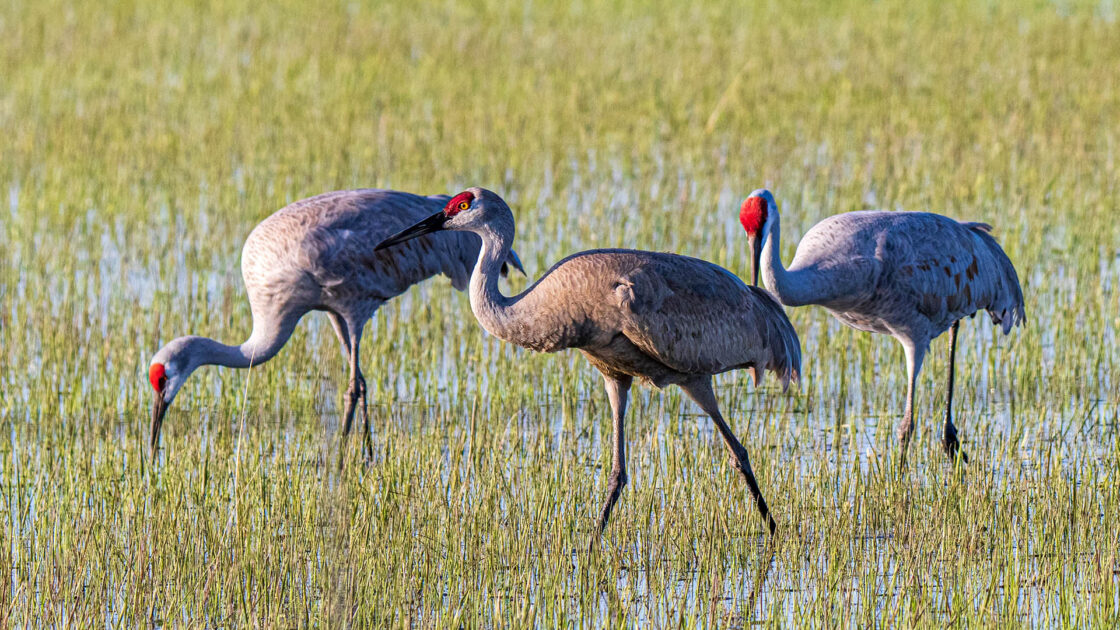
x=952, y=446
x=618, y=390
x=915, y=353
x=358, y=386
x=700, y=391
x=343, y=331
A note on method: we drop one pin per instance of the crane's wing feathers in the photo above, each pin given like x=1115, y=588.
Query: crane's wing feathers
x=696, y=317
x=953, y=270
x=1006, y=308
x=336, y=233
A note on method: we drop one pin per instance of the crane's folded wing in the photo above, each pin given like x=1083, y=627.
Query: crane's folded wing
x=698, y=318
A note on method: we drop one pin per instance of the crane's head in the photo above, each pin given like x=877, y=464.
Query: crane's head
x=757, y=215
x=167, y=373
x=473, y=210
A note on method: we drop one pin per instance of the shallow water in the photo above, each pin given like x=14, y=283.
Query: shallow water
x=836, y=433
x=144, y=141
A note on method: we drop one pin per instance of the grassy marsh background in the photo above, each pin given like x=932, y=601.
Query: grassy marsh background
x=141, y=141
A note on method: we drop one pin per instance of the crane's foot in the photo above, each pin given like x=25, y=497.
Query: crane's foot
x=742, y=463
x=905, y=432
x=367, y=447
x=952, y=445
x=767, y=518
x=593, y=544
x=367, y=431
x=614, y=489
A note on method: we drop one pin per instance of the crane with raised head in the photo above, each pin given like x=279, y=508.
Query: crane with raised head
x=911, y=275
x=661, y=318
x=312, y=255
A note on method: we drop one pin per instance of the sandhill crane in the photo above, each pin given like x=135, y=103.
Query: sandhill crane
x=312, y=256
x=911, y=275
x=662, y=318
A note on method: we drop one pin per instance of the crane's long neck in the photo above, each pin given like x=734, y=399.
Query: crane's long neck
x=268, y=336
x=261, y=346
x=792, y=288
x=492, y=309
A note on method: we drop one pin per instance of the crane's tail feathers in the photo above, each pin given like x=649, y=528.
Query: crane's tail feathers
x=784, y=345
x=1006, y=307
x=787, y=376
x=1008, y=318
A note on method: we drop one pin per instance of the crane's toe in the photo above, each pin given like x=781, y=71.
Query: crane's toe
x=952, y=444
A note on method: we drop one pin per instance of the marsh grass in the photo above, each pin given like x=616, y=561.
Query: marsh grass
x=143, y=140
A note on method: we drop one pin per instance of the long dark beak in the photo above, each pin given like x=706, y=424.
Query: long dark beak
x=427, y=226
x=756, y=257
x=159, y=408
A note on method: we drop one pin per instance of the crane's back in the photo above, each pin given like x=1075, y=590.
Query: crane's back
x=320, y=250
x=690, y=316
x=915, y=271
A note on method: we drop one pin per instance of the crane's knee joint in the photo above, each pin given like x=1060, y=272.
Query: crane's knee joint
x=739, y=458
x=618, y=479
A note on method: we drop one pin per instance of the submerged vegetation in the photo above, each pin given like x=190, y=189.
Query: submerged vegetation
x=142, y=141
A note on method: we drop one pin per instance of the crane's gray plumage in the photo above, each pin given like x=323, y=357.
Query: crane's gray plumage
x=661, y=318
x=663, y=306
x=314, y=255
x=911, y=275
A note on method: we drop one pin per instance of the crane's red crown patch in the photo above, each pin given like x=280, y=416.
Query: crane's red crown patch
x=458, y=203
x=753, y=214
x=156, y=374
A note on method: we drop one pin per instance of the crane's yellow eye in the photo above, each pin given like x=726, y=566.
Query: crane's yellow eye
x=463, y=205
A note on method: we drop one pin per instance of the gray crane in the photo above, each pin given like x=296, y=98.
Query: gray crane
x=313, y=256
x=911, y=275
x=662, y=318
